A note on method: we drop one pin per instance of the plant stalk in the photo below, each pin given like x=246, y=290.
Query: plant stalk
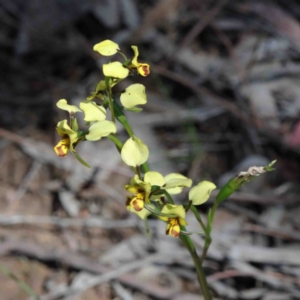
x=198, y=264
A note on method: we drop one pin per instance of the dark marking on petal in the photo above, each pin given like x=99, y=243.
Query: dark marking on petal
x=136, y=205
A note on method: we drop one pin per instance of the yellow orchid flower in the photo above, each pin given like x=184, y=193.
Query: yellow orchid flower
x=143, y=213
x=69, y=139
x=141, y=191
x=142, y=68
x=174, y=223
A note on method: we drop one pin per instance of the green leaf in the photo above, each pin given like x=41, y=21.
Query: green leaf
x=183, y=232
x=198, y=217
x=269, y=167
x=147, y=228
x=24, y=286
x=209, y=217
x=134, y=109
x=155, y=188
x=81, y=160
x=227, y=190
x=236, y=182
x=101, y=86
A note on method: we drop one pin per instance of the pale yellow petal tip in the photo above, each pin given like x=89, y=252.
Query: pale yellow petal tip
x=106, y=48
x=115, y=70
x=200, y=193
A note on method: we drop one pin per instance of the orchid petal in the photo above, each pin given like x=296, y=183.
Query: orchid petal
x=134, y=152
x=107, y=48
x=101, y=129
x=201, y=192
x=115, y=69
x=134, y=95
x=92, y=111
x=63, y=104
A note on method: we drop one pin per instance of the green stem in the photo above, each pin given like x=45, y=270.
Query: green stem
x=188, y=206
x=198, y=217
x=137, y=170
x=111, y=106
x=110, y=100
x=168, y=196
x=124, y=56
x=116, y=141
x=212, y=216
x=206, y=247
x=123, y=120
x=208, y=231
x=145, y=167
x=198, y=264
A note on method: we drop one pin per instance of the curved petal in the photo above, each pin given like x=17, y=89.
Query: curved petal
x=133, y=189
x=63, y=129
x=92, y=111
x=101, y=129
x=63, y=104
x=134, y=95
x=134, y=152
x=173, y=209
x=201, y=192
x=154, y=178
x=175, y=182
x=107, y=48
x=143, y=69
x=115, y=69
x=135, y=56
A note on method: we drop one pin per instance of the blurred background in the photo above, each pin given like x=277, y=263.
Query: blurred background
x=223, y=95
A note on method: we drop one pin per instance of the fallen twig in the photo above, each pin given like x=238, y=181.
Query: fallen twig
x=8, y=220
